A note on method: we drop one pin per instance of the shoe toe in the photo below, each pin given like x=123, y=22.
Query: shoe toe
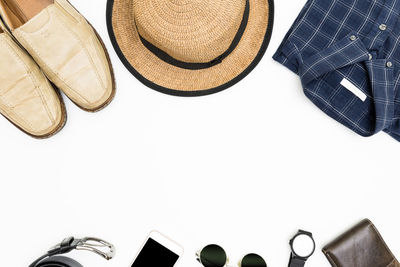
x=39, y=111
x=92, y=92
x=49, y=117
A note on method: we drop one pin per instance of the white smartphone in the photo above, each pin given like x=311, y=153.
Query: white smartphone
x=158, y=251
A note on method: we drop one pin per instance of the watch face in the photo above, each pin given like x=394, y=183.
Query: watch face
x=303, y=245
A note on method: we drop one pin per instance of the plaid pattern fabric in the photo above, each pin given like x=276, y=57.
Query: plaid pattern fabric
x=353, y=40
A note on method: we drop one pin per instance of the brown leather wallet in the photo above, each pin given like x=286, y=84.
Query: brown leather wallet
x=361, y=246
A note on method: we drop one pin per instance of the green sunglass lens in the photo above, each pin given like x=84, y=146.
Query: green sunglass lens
x=253, y=260
x=213, y=256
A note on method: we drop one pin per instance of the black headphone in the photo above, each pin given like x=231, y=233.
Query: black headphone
x=52, y=258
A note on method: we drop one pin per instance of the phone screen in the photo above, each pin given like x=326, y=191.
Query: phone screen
x=155, y=254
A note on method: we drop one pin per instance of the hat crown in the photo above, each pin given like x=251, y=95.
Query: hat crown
x=195, y=31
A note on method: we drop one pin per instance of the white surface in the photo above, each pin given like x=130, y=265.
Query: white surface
x=244, y=168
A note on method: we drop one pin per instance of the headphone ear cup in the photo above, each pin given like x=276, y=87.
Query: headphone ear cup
x=58, y=261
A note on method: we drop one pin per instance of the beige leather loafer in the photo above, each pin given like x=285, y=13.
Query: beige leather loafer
x=65, y=46
x=27, y=98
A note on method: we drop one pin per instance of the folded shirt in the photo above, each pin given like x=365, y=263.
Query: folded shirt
x=347, y=55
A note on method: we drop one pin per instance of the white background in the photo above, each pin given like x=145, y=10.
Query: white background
x=244, y=168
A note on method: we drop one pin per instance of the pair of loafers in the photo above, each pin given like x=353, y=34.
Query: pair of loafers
x=47, y=46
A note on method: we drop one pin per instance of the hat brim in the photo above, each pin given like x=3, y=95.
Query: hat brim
x=163, y=77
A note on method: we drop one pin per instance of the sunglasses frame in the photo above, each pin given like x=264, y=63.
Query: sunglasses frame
x=198, y=257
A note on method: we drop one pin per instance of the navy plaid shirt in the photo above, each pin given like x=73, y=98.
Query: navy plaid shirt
x=347, y=54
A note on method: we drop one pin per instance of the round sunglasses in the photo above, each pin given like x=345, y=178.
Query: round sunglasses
x=215, y=256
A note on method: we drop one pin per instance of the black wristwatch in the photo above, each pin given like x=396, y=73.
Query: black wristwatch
x=52, y=258
x=303, y=247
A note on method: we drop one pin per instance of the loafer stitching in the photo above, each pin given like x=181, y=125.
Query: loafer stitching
x=36, y=83
x=23, y=35
x=82, y=43
x=30, y=75
x=7, y=103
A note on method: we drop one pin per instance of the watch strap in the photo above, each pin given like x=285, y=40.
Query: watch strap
x=296, y=262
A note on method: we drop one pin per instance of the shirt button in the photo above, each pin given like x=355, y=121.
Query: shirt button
x=389, y=64
x=369, y=56
x=383, y=27
x=353, y=38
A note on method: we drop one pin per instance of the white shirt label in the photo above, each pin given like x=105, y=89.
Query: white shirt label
x=352, y=88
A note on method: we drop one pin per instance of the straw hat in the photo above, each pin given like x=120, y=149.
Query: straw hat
x=190, y=47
